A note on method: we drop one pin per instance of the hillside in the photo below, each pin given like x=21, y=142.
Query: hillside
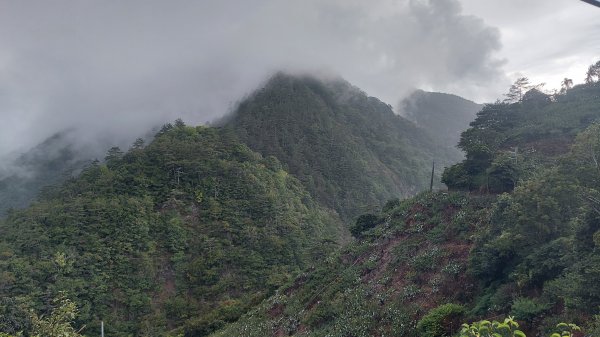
x=507, y=142
x=426, y=264
x=350, y=150
x=187, y=232
x=443, y=116
x=49, y=163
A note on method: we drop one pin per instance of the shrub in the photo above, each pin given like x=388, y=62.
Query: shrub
x=363, y=223
x=526, y=309
x=440, y=321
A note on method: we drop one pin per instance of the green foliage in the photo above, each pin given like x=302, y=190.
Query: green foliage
x=363, y=223
x=441, y=321
x=507, y=328
x=508, y=141
x=527, y=309
x=525, y=244
x=378, y=285
x=444, y=116
x=39, y=170
x=456, y=177
x=566, y=330
x=351, y=151
x=59, y=322
x=164, y=235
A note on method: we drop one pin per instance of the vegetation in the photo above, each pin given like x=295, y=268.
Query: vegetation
x=49, y=163
x=510, y=328
x=197, y=235
x=440, y=321
x=409, y=272
x=443, y=116
x=351, y=151
x=189, y=232
x=509, y=140
x=526, y=243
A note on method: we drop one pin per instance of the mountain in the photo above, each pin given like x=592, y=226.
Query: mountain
x=525, y=242
x=50, y=163
x=187, y=232
x=444, y=116
x=351, y=151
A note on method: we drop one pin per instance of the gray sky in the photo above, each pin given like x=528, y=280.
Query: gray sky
x=115, y=68
x=545, y=40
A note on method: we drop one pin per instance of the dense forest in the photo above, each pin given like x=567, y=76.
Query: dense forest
x=517, y=236
x=49, y=163
x=188, y=231
x=443, y=116
x=350, y=150
x=290, y=218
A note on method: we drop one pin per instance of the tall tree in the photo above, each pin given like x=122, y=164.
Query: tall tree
x=517, y=90
x=565, y=85
x=593, y=73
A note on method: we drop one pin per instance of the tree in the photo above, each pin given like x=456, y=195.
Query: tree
x=517, y=90
x=138, y=144
x=113, y=156
x=363, y=223
x=58, y=324
x=565, y=85
x=593, y=73
x=179, y=123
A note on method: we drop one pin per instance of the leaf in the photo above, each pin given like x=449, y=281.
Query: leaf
x=519, y=333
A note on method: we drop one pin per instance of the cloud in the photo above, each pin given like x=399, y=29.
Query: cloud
x=113, y=69
x=543, y=40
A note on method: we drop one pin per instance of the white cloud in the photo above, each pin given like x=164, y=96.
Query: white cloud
x=114, y=68
x=544, y=40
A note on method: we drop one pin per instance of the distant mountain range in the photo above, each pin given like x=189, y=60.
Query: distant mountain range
x=49, y=163
x=350, y=150
x=190, y=231
x=443, y=116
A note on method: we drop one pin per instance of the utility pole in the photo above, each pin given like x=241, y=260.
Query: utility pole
x=432, y=172
x=101, y=328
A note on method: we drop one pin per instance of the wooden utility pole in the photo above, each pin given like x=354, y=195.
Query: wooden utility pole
x=432, y=172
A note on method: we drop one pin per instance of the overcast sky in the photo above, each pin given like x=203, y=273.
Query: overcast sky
x=115, y=68
x=545, y=40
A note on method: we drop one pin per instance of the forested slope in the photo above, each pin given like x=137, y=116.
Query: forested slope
x=187, y=232
x=443, y=116
x=426, y=264
x=49, y=163
x=351, y=151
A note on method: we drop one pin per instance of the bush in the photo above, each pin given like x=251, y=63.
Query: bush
x=441, y=321
x=526, y=309
x=456, y=177
x=363, y=223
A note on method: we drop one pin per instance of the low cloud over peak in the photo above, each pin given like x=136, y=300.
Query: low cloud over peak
x=117, y=68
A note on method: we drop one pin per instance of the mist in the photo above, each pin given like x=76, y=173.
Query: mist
x=112, y=70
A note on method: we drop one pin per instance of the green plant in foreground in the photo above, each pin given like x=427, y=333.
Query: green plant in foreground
x=57, y=324
x=509, y=328
x=566, y=330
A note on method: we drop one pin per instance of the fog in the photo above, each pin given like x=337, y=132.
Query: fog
x=114, y=69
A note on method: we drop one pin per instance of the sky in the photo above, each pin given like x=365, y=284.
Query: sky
x=113, y=69
x=543, y=40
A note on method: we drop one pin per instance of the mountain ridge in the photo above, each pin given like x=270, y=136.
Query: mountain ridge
x=360, y=137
